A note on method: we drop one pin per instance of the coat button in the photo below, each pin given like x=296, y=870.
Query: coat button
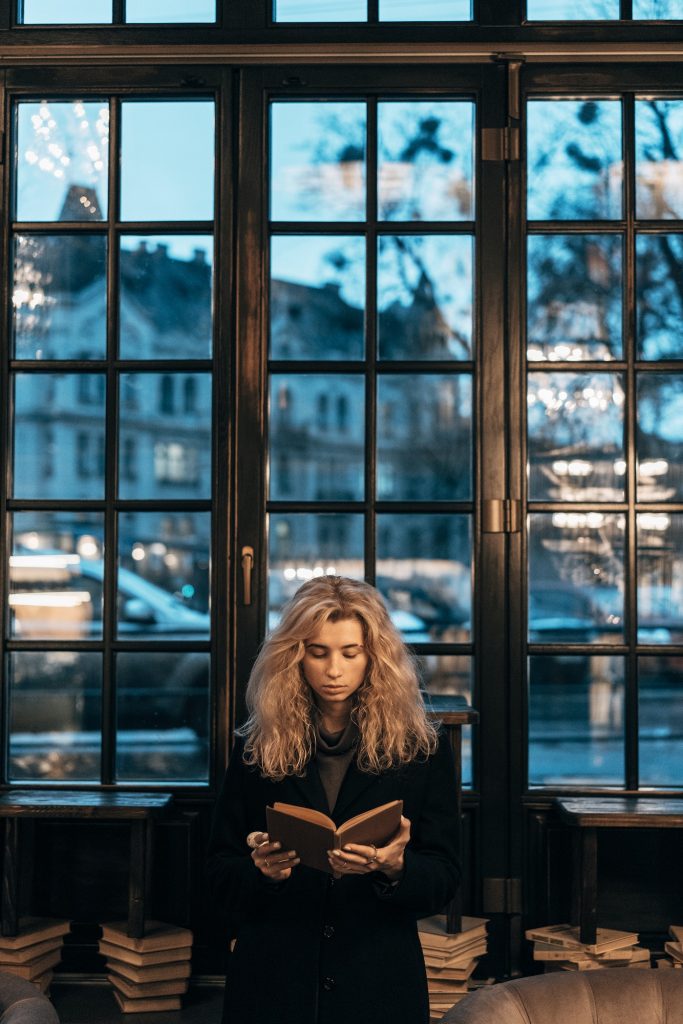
x=328, y=984
x=328, y=931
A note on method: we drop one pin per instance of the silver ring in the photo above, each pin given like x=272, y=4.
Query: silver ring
x=266, y=863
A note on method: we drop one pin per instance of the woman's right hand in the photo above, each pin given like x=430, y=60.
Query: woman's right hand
x=271, y=861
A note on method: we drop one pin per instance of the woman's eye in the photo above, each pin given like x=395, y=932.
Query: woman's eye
x=350, y=657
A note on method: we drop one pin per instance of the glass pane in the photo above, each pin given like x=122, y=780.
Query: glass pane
x=55, y=574
x=660, y=437
x=574, y=163
x=163, y=580
x=165, y=435
x=426, y=160
x=660, y=728
x=318, y=161
x=424, y=296
x=659, y=170
x=574, y=297
x=303, y=545
x=167, y=160
x=55, y=715
x=657, y=9
x=59, y=448
x=162, y=712
x=59, y=297
x=166, y=296
x=659, y=296
x=317, y=297
x=429, y=10
x=443, y=677
x=576, y=577
x=317, y=437
x=660, y=578
x=572, y=10
x=576, y=720
x=170, y=11
x=424, y=573
x=66, y=12
x=62, y=160
x=576, y=437
x=320, y=10
x=424, y=437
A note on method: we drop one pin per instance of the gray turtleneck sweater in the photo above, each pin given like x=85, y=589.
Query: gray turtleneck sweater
x=333, y=755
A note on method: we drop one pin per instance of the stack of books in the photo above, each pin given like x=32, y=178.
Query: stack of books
x=150, y=974
x=673, y=949
x=34, y=951
x=558, y=947
x=450, y=959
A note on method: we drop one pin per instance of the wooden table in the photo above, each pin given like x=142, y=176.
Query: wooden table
x=456, y=713
x=139, y=810
x=588, y=814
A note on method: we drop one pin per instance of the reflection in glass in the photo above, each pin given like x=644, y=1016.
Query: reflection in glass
x=443, y=677
x=660, y=437
x=59, y=435
x=576, y=720
x=424, y=574
x=429, y=10
x=317, y=297
x=66, y=12
x=576, y=436
x=162, y=716
x=660, y=578
x=55, y=576
x=426, y=160
x=55, y=715
x=572, y=10
x=170, y=11
x=574, y=297
x=317, y=437
x=574, y=159
x=165, y=435
x=659, y=159
x=317, y=161
x=657, y=9
x=660, y=728
x=424, y=296
x=167, y=160
x=163, y=579
x=166, y=296
x=576, y=577
x=62, y=161
x=59, y=296
x=303, y=545
x=320, y=10
x=659, y=296
x=424, y=437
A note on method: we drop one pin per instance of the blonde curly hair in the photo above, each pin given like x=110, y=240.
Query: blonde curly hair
x=389, y=710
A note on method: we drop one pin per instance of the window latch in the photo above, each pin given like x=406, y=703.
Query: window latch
x=501, y=515
x=247, y=570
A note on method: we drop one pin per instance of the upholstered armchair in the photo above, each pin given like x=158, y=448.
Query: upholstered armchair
x=604, y=996
x=22, y=1003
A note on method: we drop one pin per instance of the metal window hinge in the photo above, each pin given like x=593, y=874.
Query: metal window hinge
x=502, y=896
x=501, y=515
x=500, y=143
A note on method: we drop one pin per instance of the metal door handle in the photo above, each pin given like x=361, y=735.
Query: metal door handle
x=247, y=569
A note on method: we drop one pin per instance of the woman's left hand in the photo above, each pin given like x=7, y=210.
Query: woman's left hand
x=355, y=859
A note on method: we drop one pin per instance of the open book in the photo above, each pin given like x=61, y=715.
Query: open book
x=311, y=833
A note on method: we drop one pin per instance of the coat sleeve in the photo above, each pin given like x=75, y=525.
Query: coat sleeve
x=236, y=884
x=432, y=857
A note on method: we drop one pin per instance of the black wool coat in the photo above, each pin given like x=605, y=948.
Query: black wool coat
x=315, y=950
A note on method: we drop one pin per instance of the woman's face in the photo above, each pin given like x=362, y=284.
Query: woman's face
x=335, y=663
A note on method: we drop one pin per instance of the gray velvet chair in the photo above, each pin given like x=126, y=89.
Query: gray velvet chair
x=605, y=996
x=22, y=1003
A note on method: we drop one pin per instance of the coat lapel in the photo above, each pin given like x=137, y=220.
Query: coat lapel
x=353, y=786
x=310, y=787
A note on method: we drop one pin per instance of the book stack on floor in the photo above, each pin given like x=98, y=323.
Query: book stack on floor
x=673, y=949
x=558, y=947
x=150, y=974
x=450, y=959
x=35, y=950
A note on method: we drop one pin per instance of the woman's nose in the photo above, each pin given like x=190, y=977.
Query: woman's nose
x=334, y=669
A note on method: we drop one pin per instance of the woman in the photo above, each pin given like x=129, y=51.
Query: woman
x=336, y=723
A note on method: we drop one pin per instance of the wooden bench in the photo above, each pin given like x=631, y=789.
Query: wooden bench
x=588, y=814
x=139, y=810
